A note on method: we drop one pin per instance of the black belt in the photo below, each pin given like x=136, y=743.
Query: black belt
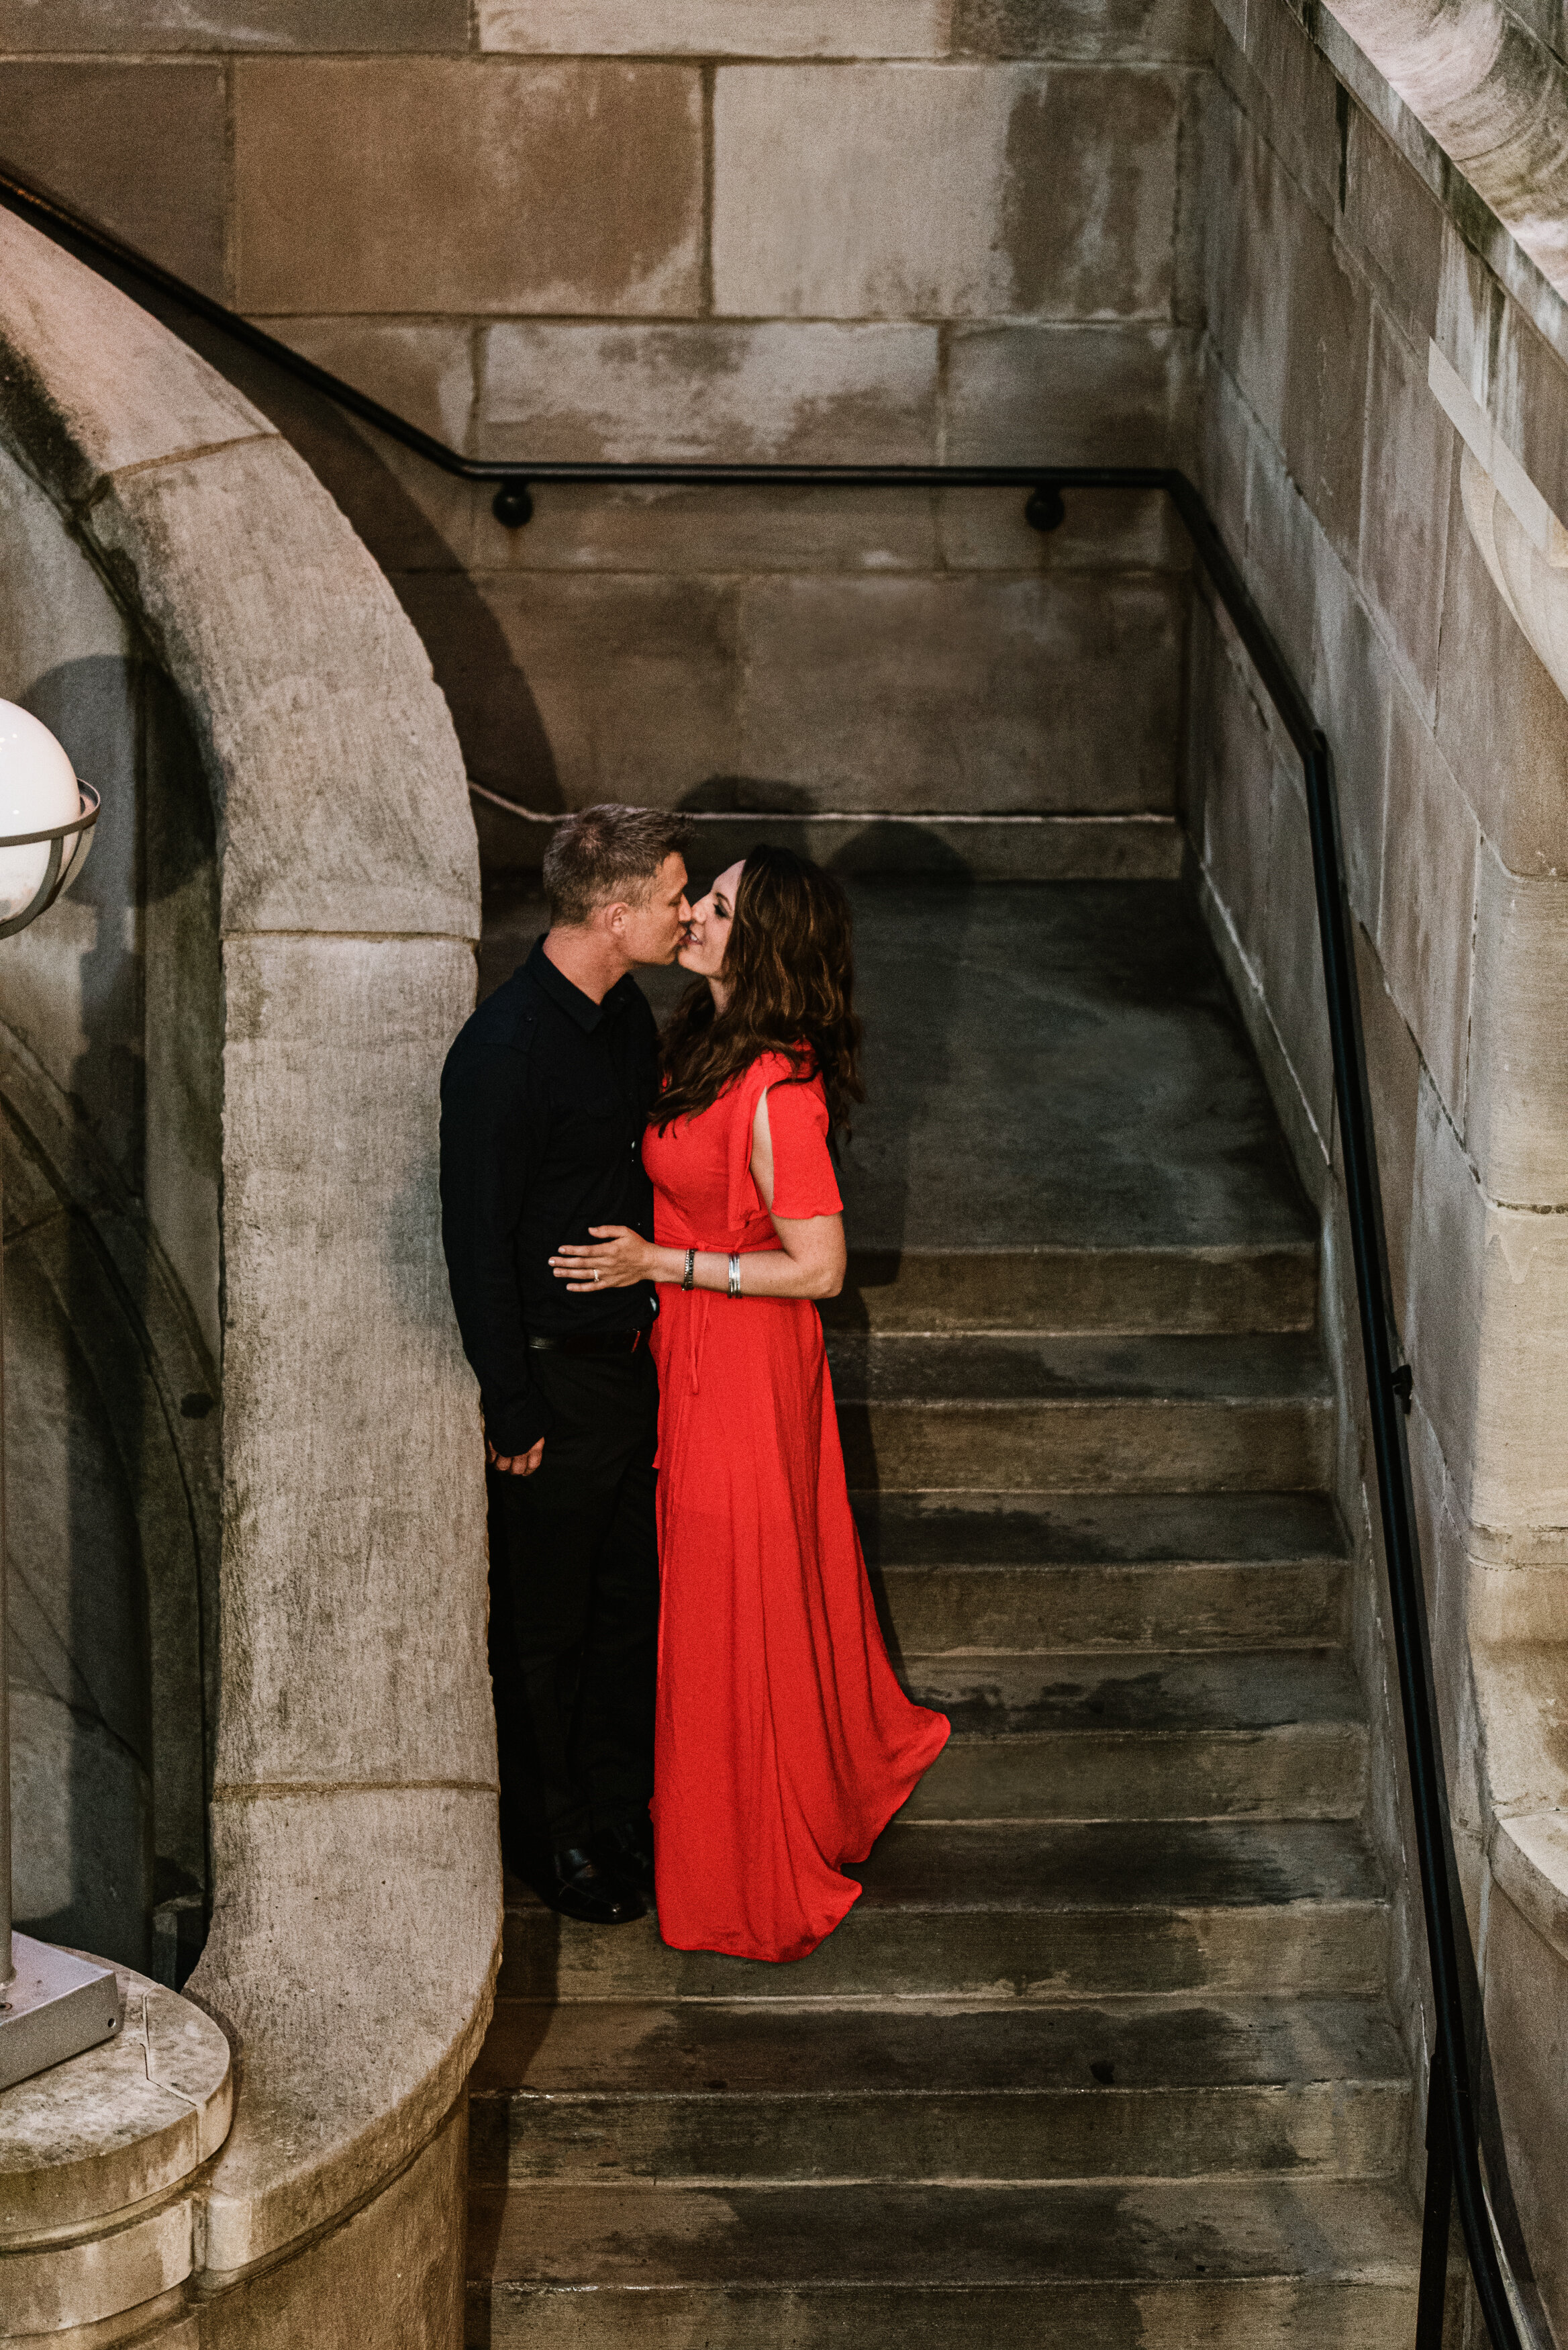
x=591, y=1342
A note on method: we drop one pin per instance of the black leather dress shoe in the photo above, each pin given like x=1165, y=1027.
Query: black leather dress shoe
x=625, y=1853
x=573, y=1883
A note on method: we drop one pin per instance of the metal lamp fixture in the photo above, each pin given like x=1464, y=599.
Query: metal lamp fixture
x=52, y=2004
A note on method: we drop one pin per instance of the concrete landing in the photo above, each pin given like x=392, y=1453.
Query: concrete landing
x=1049, y=1064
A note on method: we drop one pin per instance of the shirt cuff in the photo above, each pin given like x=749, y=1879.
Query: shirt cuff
x=517, y=1427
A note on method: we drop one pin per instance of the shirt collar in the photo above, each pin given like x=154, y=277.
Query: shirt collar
x=571, y=1000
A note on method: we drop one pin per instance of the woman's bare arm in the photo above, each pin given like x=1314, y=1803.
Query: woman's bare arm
x=809, y=1261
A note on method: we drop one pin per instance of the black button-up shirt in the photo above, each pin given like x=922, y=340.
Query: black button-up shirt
x=545, y=1097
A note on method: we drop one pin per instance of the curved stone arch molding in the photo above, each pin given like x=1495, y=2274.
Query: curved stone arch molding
x=356, y=1905
x=126, y=1304
x=1493, y=95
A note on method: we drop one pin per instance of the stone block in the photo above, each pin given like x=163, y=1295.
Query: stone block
x=1328, y=319
x=1527, y=2028
x=1351, y=686
x=1237, y=804
x=1293, y=958
x=568, y=690
x=1441, y=1314
x=353, y=1459
x=138, y=147
x=422, y=370
x=126, y=2121
x=1502, y=724
x=1394, y=1074
x=1285, y=550
x=1130, y=31
x=952, y=190
x=1530, y=1862
x=1395, y=223
x=394, y=2274
x=156, y=25
x=779, y=391
x=1201, y=102
x=1291, y=100
x=1516, y=1717
x=642, y=528
x=1103, y=530
x=1517, y=1130
x=1247, y=265
x=1425, y=922
x=1055, y=693
x=1530, y=405
x=1300, y=361
x=1225, y=451
x=717, y=29
x=1471, y=306
x=1409, y=469
x=470, y=185
x=307, y=688
x=1069, y=395
x=410, y=514
x=93, y=383
x=350, y=1960
x=48, y=2289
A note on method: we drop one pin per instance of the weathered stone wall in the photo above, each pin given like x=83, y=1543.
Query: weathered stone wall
x=109, y=1074
x=1340, y=243
x=751, y=229
x=329, y=862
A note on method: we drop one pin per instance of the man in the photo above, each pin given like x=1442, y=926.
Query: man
x=544, y=1097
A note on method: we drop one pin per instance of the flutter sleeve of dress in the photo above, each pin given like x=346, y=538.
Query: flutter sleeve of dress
x=803, y=1181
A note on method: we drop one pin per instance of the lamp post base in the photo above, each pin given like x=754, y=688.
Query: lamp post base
x=55, y=2005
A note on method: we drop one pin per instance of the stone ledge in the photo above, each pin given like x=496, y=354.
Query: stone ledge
x=352, y=1958
x=94, y=385
x=96, y=2156
x=120, y=2125
x=1530, y=1862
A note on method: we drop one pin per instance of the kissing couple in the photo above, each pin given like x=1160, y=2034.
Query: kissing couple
x=693, y=1702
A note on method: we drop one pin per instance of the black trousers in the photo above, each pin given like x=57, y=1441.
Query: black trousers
x=574, y=1609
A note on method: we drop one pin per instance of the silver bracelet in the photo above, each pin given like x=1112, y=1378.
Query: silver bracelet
x=690, y=1272
x=734, y=1276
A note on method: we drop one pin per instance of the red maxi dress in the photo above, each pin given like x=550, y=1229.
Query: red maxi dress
x=784, y=1745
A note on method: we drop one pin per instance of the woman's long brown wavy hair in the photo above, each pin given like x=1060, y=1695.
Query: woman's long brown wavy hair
x=790, y=971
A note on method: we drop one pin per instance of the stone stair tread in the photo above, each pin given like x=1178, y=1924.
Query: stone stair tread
x=972, y=1371
x=1037, y=1695
x=1118, y=1865
x=1058, y=1867
x=695, y=2049
x=794, y=2237
x=986, y=1529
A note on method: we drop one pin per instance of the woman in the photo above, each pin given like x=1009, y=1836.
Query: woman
x=783, y=1743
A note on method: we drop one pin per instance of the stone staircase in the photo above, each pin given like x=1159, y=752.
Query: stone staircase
x=1102, y=2055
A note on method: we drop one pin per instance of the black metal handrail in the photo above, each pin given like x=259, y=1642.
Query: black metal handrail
x=1455, y=2167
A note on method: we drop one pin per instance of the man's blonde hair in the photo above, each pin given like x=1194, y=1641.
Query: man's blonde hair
x=598, y=854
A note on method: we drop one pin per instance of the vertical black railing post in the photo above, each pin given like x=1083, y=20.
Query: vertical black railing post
x=1432, y=2299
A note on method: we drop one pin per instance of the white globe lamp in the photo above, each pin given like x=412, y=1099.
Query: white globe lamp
x=45, y=814
x=53, y=2005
